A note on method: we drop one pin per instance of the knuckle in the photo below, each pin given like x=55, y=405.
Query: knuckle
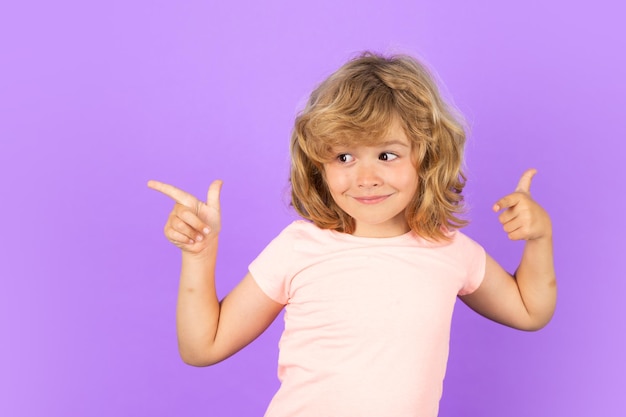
x=171, y=236
x=179, y=209
x=179, y=224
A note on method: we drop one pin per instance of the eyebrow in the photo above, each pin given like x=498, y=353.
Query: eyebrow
x=390, y=142
x=393, y=142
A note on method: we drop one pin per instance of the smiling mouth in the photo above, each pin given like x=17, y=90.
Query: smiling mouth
x=371, y=200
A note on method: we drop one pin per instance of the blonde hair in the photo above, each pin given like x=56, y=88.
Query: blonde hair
x=355, y=106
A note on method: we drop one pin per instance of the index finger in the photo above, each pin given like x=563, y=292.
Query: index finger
x=174, y=193
x=506, y=202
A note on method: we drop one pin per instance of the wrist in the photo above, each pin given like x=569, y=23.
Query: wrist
x=205, y=254
x=546, y=237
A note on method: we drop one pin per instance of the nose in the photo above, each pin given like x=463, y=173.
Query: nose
x=368, y=176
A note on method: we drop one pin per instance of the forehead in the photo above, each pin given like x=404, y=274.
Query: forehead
x=393, y=134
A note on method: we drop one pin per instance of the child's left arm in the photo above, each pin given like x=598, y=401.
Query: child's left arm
x=526, y=300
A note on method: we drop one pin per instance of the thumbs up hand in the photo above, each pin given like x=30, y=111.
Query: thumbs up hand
x=191, y=223
x=522, y=218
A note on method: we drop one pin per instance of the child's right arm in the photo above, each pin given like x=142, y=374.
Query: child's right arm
x=210, y=331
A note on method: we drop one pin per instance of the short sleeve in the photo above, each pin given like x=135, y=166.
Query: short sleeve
x=474, y=259
x=271, y=269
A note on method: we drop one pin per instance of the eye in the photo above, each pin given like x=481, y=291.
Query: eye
x=387, y=156
x=345, y=158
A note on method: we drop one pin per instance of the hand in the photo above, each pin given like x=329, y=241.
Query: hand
x=523, y=218
x=191, y=223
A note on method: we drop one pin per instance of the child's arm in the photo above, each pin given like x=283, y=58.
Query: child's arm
x=527, y=300
x=210, y=331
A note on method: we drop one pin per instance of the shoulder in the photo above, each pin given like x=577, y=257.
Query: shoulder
x=459, y=239
x=302, y=226
x=299, y=235
x=296, y=246
x=473, y=257
x=461, y=250
x=302, y=230
x=455, y=240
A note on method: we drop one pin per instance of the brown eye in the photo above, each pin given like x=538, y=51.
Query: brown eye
x=345, y=157
x=387, y=156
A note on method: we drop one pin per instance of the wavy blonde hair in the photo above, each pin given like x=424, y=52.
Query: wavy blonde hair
x=355, y=106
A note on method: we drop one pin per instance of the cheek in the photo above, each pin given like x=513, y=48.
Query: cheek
x=335, y=181
x=409, y=182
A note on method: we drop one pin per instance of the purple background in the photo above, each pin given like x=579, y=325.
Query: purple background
x=98, y=97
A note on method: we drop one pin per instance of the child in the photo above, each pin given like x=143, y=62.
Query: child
x=369, y=280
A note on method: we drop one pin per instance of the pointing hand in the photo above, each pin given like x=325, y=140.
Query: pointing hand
x=191, y=223
x=523, y=218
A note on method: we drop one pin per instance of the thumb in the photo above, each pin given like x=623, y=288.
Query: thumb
x=524, y=182
x=213, y=195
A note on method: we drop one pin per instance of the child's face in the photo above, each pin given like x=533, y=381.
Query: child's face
x=374, y=184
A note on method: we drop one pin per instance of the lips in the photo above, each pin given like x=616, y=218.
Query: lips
x=371, y=199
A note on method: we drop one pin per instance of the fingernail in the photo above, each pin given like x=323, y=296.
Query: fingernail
x=191, y=242
x=206, y=230
x=199, y=238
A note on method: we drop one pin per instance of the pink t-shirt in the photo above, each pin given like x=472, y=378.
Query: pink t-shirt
x=367, y=320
